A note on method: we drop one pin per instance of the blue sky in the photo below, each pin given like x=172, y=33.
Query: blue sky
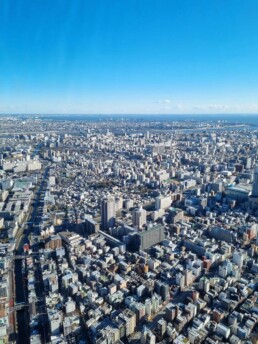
x=129, y=56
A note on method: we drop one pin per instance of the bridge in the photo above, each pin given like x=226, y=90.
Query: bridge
x=23, y=256
x=18, y=307
x=21, y=305
x=18, y=257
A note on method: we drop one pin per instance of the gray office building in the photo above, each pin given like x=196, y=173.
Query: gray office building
x=255, y=182
x=147, y=238
x=108, y=213
x=91, y=226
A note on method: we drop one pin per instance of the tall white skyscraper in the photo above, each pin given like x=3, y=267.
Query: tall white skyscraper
x=255, y=182
x=108, y=213
x=238, y=259
x=139, y=217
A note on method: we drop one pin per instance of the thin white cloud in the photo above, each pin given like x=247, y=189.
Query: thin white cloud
x=217, y=107
x=254, y=107
x=179, y=106
x=199, y=107
x=212, y=107
x=164, y=101
x=166, y=108
x=7, y=107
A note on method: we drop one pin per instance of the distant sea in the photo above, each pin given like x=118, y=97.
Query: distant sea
x=248, y=119
x=230, y=118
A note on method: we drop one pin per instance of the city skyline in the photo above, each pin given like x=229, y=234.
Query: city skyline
x=128, y=57
x=137, y=231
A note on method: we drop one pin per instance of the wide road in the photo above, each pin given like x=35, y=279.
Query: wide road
x=22, y=316
x=23, y=335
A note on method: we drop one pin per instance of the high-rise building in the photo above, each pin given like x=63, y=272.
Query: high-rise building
x=90, y=225
x=52, y=180
x=255, y=182
x=238, y=258
x=171, y=312
x=147, y=134
x=161, y=327
x=139, y=217
x=129, y=317
x=147, y=238
x=53, y=242
x=162, y=202
x=204, y=284
x=180, y=280
x=248, y=163
x=162, y=289
x=147, y=337
x=108, y=213
x=188, y=277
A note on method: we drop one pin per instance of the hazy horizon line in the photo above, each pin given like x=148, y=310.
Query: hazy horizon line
x=130, y=114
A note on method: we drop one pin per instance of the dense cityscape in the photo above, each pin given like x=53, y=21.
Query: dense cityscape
x=128, y=230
